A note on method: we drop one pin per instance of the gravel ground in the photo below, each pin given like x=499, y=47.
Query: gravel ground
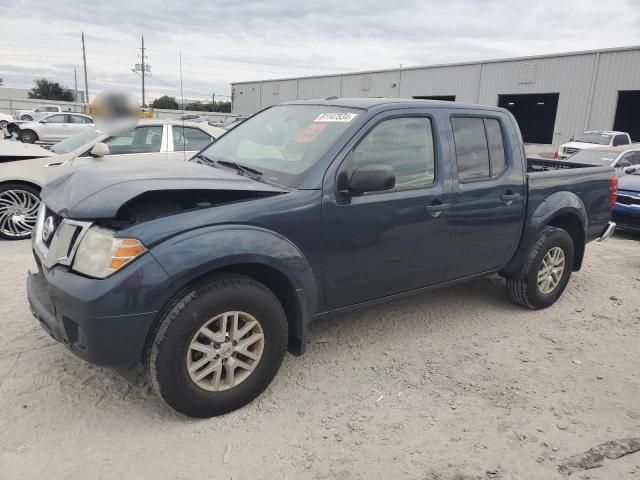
x=452, y=384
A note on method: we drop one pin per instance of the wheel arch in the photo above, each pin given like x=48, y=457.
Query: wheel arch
x=261, y=255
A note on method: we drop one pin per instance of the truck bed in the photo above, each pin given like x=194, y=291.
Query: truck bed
x=591, y=184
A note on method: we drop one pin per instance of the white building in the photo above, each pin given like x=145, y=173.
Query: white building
x=551, y=96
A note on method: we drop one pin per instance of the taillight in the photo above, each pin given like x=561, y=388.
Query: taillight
x=555, y=155
x=614, y=192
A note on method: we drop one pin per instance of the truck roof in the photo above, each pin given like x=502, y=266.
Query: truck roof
x=368, y=103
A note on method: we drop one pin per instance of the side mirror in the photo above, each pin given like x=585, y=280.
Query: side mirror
x=371, y=178
x=630, y=170
x=100, y=150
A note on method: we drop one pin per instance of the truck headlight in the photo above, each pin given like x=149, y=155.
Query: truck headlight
x=100, y=254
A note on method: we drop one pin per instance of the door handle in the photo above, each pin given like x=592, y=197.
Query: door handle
x=436, y=208
x=509, y=197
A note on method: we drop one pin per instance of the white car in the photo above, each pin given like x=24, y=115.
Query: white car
x=592, y=139
x=5, y=119
x=153, y=140
x=54, y=128
x=37, y=113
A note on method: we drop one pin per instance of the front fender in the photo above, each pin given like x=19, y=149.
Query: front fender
x=541, y=215
x=195, y=253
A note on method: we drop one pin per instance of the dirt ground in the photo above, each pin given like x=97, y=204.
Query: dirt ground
x=452, y=384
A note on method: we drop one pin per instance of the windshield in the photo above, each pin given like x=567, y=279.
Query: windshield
x=594, y=137
x=594, y=157
x=76, y=141
x=283, y=142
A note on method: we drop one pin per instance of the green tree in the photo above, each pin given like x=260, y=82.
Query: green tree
x=47, y=90
x=165, y=102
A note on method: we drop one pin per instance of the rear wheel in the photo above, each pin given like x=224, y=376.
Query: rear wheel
x=28, y=136
x=28, y=118
x=546, y=272
x=19, y=206
x=217, y=347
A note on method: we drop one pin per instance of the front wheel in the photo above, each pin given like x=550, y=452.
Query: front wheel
x=217, y=347
x=3, y=123
x=19, y=206
x=28, y=118
x=28, y=136
x=546, y=272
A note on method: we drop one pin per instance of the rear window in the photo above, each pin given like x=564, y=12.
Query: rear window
x=593, y=137
x=480, y=153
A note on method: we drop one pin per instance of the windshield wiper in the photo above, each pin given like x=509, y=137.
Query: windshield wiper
x=246, y=171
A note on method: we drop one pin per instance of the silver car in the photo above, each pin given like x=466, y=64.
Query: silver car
x=152, y=140
x=37, y=113
x=619, y=158
x=54, y=128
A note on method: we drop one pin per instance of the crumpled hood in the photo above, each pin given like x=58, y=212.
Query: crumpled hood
x=91, y=193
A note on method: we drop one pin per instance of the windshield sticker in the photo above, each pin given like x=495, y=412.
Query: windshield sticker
x=310, y=133
x=336, y=117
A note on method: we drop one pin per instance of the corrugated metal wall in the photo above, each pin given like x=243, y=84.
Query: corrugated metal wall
x=587, y=84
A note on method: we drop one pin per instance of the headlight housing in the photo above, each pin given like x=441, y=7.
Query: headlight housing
x=100, y=254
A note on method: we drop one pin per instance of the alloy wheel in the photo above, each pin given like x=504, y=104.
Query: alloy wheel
x=551, y=270
x=18, y=213
x=225, y=351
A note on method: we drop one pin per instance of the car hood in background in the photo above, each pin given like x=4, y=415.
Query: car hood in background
x=629, y=182
x=91, y=193
x=11, y=151
x=582, y=145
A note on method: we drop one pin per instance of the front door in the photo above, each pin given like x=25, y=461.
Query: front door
x=54, y=127
x=144, y=142
x=489, y=201
x=383, y=243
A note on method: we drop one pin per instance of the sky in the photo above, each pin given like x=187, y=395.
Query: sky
x=224, y=41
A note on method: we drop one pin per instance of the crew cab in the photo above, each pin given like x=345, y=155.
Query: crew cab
x=592, y=139
x=208, y=272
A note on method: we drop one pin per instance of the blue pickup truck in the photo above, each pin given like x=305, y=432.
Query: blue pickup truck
x=207, y=272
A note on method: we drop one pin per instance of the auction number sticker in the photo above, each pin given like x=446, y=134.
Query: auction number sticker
x=336, y=117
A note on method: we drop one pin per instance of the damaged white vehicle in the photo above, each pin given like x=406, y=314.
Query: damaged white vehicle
x=153, y=140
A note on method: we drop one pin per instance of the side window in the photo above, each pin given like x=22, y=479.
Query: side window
x=50, y=109
x=626, y=160
x=78, y=119
x=55, y=119
x=480, y=153
x=472, y=151
x=138, y=140
x=189, y=139
x=406, y=144
x=620, y=140
x=40, y=109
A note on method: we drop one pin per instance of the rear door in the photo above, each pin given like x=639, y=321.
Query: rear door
x=489, y=192
x=382, y=243
x=77, y=123
x=185, y=142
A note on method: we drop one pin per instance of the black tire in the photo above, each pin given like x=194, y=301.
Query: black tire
x=3, y=123
x=167, y=351
x=523, y=289
x=28, y=136
x=10, y=231
x=27, y=118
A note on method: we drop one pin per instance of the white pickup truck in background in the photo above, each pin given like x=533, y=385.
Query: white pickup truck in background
x=37, y=113
x=592, y=139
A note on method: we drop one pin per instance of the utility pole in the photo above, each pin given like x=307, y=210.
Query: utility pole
x=86, y=83
x=75, y=82
x=213, y=101
x=143, y=71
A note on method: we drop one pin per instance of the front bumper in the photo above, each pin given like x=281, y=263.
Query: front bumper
x=628, y=218
x=105, y=322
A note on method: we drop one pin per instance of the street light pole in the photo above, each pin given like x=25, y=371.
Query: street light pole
x=143, y=70
x=86, y=83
